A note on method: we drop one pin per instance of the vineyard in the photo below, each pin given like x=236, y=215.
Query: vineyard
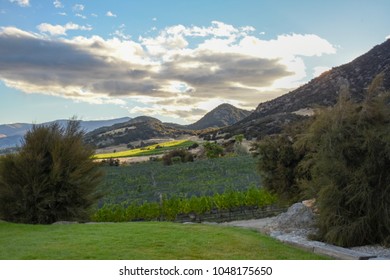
x=153, y=191
x=155, y=149
x=148, y=181
x=168, y=209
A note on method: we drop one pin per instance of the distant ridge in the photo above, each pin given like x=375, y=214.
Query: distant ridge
x=12, y=134
x=145, y=128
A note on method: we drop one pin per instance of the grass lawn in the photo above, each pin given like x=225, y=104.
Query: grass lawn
x=140, y=241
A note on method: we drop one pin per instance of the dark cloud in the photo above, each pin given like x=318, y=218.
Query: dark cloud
x=42, y=62
x=222, y=69
x=83, y=69
x=228, y=76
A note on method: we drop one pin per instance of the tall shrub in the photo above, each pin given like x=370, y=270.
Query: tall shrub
x=52, y=177
x=351, y=171
x=277, y=165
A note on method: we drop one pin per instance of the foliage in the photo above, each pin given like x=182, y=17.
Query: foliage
x=350, y=171
x=169, y=208
x=146, y=181
x=343, y=160
x=239, y=138
x=277, y=165
x=183, y=155
x=51, y=178
x=213, y=150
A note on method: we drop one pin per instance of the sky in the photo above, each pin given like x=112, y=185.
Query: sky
x=170, y=59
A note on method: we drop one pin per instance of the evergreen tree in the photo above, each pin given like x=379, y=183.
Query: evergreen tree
x=52, y=178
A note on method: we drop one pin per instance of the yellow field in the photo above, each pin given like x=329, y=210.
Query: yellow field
x=142, y=151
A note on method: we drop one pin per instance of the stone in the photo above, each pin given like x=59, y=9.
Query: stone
x=297, y=217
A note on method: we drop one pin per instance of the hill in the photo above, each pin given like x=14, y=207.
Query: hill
x=223, y=115
x=137, y=129
x=11, y=135
x=269, y=117
x=145, y=128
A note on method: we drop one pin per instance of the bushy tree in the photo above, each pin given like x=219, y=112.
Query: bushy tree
x=182, y=155
x=51, y=178
x=277, y=165
x=213, y=150
x=350, y=171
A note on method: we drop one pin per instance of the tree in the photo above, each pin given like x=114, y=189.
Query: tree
x=213, y=150
x=350, y=171
x=51, y=178
x=180, y=155
x=341, y=158
x=277, y=165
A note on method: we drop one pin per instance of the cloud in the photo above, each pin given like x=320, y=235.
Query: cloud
x=387, y=37
x=80, y=16
x=78, y=8
x=58, y=4
x=57, y=30
x=181, y=67
x=110, y=14
x=120, y=33
x=21, y=3
x=190, y=114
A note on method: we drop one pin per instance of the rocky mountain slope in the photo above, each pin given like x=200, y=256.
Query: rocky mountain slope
x=269, y=117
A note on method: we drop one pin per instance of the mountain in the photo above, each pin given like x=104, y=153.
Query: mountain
x=145, y=128
x=223, y=115
x=137, y=129
x=269, y=117
x=11, y=135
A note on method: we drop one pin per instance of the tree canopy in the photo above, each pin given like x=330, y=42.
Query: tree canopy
x=51, y=178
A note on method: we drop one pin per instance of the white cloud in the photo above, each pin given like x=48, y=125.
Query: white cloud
x=170, y=71
x=57, y=30
x=110, y=14
x=78, y=7
x=80, y=16
x=388, y=37
x=21, y=3
x=120, y=33
x=58, y=4
x=62, y=14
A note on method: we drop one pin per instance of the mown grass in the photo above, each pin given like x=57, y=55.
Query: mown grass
x=140, y=241
x=148, y=150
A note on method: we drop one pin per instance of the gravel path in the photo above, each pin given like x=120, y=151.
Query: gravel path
x=299, y=237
